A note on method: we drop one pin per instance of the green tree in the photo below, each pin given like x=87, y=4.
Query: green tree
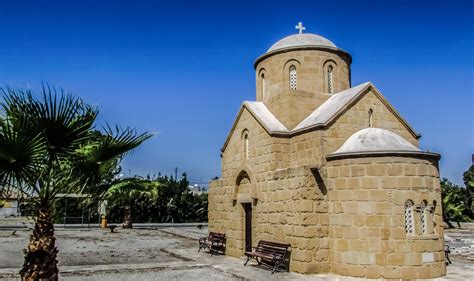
x=454, y=202
x=469, y=183
x=49, y=146
x=124, y=193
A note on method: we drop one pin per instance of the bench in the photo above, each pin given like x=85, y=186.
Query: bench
x=215, y=242
x=447, y=251
x=270, y=253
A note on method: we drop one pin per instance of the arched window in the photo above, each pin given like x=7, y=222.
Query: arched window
x=433, y=220
x=293, y=78
x=330, y=85
x=409, y=222
x=424, y=221
x=370, y=117
x=246, y=144
x=263, y=85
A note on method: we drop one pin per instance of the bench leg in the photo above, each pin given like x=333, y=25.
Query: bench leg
x=446, y=255
x=201, y=246
x=449, y=261
x=275, y=267
x=248, y=258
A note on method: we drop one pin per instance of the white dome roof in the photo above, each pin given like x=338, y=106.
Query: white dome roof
x=375, y=139
x=304, y=39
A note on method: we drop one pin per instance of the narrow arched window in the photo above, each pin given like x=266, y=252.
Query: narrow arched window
x=371, y=112
x=330, y=85
x=433, y=218
x=424, y=217
x=263, y=85
x=246, y=145
x=293, y=78
x=409, y=222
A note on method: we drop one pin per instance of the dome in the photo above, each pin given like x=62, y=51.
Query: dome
x=302, y=39
x=375, y=139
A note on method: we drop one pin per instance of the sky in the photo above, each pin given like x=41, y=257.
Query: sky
x=181, y=69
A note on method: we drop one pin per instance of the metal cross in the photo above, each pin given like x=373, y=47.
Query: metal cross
x=300, y=27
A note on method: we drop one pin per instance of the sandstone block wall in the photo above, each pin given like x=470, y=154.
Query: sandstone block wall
x=291, y=208
x=367, y=218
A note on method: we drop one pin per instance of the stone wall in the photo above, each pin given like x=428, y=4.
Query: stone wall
x=291, y=208
x=292, y=106
x=367, y=217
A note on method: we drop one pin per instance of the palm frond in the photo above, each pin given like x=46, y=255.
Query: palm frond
x=22, y=156
x=64, y=120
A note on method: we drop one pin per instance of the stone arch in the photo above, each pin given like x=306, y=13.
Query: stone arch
x=290, y=62
x=245, y=190
x=245, y=132
x=243, y=176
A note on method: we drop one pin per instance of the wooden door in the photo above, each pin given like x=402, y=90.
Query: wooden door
x=248, y=226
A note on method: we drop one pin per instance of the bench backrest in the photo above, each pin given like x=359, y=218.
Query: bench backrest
x=216, y=236
x=272, y=248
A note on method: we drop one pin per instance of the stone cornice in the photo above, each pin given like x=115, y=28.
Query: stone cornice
x=344, y=54
x=365, y=154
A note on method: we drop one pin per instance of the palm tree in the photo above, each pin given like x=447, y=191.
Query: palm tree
x=50, y=146
x=125, y=191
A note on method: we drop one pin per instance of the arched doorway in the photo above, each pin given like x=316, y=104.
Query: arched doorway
x=244, y=198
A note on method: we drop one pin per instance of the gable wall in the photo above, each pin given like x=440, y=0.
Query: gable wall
x=356, y=118
x=265, y=153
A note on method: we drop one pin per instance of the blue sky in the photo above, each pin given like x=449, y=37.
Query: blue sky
x=182, y=68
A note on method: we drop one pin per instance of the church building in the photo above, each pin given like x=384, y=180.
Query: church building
x=330, y=168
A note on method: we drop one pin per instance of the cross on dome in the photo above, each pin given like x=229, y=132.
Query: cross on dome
x=300, y=27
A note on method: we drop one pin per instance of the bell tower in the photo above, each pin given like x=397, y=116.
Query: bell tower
x=298, y=73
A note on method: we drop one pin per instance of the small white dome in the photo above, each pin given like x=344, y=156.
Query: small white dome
x=304, y=39
x=375, y=139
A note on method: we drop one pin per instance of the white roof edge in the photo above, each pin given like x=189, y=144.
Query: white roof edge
x=331, y=107
x=268, y=120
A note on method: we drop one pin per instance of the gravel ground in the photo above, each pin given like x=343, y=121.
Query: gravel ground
x=196, y=274
x=98, y=246
x=171, y=254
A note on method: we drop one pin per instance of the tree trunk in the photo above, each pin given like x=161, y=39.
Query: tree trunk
x=127, y=217
x=40, y=254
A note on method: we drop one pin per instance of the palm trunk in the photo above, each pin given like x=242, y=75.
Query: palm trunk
x=40, y=254
x=127, y=216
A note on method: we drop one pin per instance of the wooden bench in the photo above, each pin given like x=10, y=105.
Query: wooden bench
x=447, y=251
x=215, y=242
x=270, y=253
